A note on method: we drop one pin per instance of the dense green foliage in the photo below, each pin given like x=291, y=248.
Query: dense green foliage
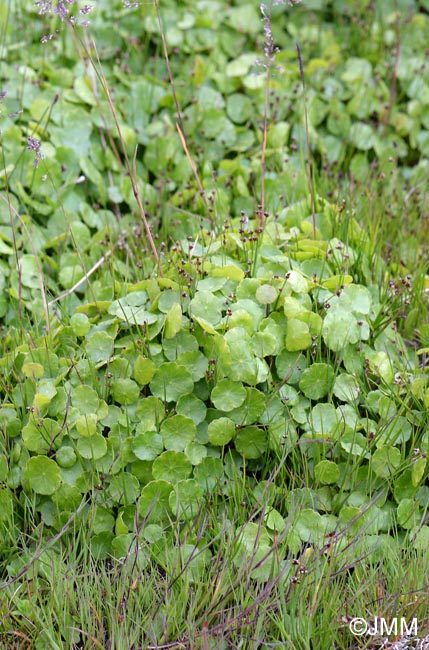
x=255, y=346
x=259, y=392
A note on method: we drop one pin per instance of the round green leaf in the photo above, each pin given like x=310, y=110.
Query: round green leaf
x=354, y=443
x=221, y=431
x=124, y=488
x=294, y=308
x=242, y=318
x=121, y=545
x=238, y=108
x=80, y=324
x=274, y=521
x=417, y=470
x=172, y=466
x=150, y=411
x=99, y=347
x=311, y=526
x=395, y=431
x=152, y=533
x=298, y=335
x=385, y=461
x=195, y=362
x=43, y=475
x=125, y=391
x=324, y=419
x=94, y=447
x=252, y=408
x=144, y=370
x=85, y=399
x=209, y=473
x=346, y=388
x=340, y=328
x=238, y=359
x=254, y=535
x=167, y=300
x=65, y=456
x=67, y=497
x=195, y=452
x=38, y=436
x=290, y=366
x=196, y=561
x=192, y=407
x=408, y=513
x=153, y=504
x=228, y=395
x=241, y=65
x=206, y=306
x=289, y=395
x=421, y=538
x=131, y=309
x=266, y=294
x=359, y=167
x=177, y=432
x=34, y=370
x=87, y=425
x=185, y=500
x=363, y=136
x=171, y=381
x=29, y=271
x=251, y=442
x=327, y=472
x=120, y=526
x=317, y=380
x=101, y=545
x=173, y=321
x=381, y=364
x=297, y=282
x=265, y=344
x=356, y=298
x=147, y=446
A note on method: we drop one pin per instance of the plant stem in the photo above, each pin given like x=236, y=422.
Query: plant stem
x=307, y=138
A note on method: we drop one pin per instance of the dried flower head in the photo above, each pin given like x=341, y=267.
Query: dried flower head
x=44, y=7
x=34, y=145
x=62, y=8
